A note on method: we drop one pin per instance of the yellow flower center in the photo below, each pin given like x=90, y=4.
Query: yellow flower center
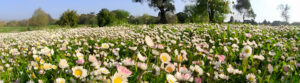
x=247, y=51
x=251, y=79
x=61, y=82
x=169, y=69
x=118, y=80
x=164, y=58
x=179, y=58
x=105, y=46
x=171, y=81
x=78, y=72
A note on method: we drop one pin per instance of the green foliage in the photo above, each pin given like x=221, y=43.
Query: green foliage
x=12, y=23
x=193, y=14
x=244, y=7
x=2, y=23
x=182, y=17
x=69, y=18
x=172, y=18
x=39, y=18
x=105, y=17
x=215, y=10
x=121, y=15
x=147, y=19
x=164, y=6
x=88, y=19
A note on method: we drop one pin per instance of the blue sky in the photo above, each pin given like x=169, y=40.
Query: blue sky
x=23, y=9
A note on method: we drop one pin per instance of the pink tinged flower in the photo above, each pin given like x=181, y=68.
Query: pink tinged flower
x=92, y=58
x=222, y=58
x=187, y=76
x=124, y=70
x=160, y=46
x=248, y=35
x=198, y=80
x=80, y=61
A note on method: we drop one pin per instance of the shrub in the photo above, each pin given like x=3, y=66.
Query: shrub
x=69, y=18
x=105, y=17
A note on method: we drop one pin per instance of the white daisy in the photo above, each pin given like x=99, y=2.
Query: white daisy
x=247, y=51
x=63, y=63
x=79, y=72
x=60, y=80
x=149, y=41
x=165, y=58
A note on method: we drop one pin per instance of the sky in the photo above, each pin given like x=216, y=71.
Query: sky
x=23, y=9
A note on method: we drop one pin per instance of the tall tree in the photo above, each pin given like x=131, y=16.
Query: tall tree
x=182, y=17
x=284, y=11
x=164, y=6
x=39, y=18
x=105, y=17
x=2, y=23
x=121, y=15
x=244, y=7
x=69, y=18
x=214, y=9
x=88, y=19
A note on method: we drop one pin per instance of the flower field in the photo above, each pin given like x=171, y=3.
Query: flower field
x=183, y=53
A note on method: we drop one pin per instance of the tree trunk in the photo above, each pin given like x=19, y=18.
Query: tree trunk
x=162, y=15
x=211, y=16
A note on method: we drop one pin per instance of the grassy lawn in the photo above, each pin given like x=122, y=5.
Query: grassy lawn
x=29, y=28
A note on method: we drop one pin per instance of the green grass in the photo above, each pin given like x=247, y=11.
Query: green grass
x=29, y=28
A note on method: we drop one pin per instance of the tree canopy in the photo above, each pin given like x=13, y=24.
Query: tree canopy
x=284, y=11
x=244, y=7
x=215, y=10
x=69, y=18
x=39, y=18
x=164, y=6
x=105, y=17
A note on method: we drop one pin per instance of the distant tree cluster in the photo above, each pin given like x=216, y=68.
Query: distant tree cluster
x=38, y=19
x=69, y=18
x=208, y=11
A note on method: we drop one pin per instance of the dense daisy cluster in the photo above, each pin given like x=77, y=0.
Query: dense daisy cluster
x=165, y=53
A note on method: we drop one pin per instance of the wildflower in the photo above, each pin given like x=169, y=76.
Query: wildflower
x=104, y=70
x=142, y=66
x=124, y=71
x=225, y=49
x=79, y=72
x=128, y=62
x=149, y=41
x=259, y=57
x=80, y=61
x=165, y=58
x=60, y=80
x=104, y=46
x=235, y=47
x=63, y=63
x=247, y=51
x=119, y=78
x=170, y=68
x=251, y=78
x=155, y=52
x=141, y=57
x=198, y=80
x=92, y=58
x=171, y=78
x=223, y=76
x=221, y=58
x=199, y=70
x=132, y=48
x=47, y=66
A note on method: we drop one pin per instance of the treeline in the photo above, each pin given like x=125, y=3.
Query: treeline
x=207, y=11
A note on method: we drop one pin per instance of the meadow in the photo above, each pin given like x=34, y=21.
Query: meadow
x=181, y=53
